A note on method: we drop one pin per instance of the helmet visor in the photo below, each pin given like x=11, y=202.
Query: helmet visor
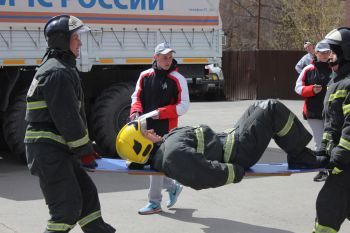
x=82, y=29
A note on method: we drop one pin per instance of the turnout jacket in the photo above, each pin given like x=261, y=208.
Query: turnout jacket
x=336, y=136
x=200, y=158
x=55, y=109
x=162, y=90
x=194, y=156
x=316, y=73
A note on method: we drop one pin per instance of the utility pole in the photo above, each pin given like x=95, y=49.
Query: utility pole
x=347, y=13
x=258, y=29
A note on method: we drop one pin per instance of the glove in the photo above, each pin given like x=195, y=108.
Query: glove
x=88, y=160
x=239, y=173
x=134, y=116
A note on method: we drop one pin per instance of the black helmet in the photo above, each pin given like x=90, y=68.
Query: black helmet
x=339, y=42
x=59, y=29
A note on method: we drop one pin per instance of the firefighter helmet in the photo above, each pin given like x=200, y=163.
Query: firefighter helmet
x=131, y=145
x=339, y=42
x=59, y=29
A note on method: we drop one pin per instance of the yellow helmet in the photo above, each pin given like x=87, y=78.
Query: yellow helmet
x=132, y=145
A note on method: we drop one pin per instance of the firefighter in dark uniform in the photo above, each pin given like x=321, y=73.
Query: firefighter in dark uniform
x=57, y=140
x=333, y=201
x=200, y=158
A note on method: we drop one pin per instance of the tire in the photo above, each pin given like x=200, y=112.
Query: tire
x=109, y=114
x=14, y=126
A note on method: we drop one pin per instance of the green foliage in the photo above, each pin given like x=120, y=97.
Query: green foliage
x=307, y=20
x=284, y=24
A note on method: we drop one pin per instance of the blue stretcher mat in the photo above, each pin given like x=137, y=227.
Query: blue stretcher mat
x=262, y=169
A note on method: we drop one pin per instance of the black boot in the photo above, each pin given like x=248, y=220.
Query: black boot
x=307, y=159
x=239, y=173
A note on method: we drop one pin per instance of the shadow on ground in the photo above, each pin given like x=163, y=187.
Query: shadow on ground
x=18, y=184
x=217, y=225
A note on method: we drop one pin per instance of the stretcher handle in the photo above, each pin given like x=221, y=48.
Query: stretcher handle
x=148, y=115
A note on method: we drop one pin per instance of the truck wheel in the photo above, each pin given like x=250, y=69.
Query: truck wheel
x=110, y=113
x=14, y=126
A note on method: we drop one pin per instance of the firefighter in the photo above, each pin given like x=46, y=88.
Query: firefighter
x=200, y=158
x=56, y=139
x=333, y=201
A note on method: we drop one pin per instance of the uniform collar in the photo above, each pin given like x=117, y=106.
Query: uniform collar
x=65, y=56
x=344, y=71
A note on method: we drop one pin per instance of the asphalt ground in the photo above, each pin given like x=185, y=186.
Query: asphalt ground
x=256, y=205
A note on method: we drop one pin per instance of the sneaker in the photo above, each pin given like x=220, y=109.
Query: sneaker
x=174, y=195
x=150, y=208
x=321, y=176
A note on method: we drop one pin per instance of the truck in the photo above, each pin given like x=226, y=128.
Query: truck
x=119, y=46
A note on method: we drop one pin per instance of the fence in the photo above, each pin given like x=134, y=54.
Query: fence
x=260, y=74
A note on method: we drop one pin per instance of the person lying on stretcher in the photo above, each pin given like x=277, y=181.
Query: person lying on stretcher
x=200, y=158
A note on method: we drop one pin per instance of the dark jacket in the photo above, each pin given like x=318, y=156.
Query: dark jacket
x=55, y=106
x=316, y=73
x=165, y=90
x=336, y=137
x=192, y=156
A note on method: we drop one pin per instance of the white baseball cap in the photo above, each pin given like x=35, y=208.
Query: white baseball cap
x=322, y=47
x=163, y=48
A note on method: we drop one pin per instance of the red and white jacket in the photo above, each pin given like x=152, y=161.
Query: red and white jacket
x=315, y=73
x=162, y=90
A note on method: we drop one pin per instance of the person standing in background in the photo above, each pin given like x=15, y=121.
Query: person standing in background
x=164, y=89
x=307, y=58
x=312, y=85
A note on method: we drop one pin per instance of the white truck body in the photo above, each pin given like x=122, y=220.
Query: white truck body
x=123, y=31
x=120, y=45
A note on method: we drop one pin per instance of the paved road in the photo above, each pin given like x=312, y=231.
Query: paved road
x=256, y=205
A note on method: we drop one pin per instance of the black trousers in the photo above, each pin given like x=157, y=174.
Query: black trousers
x=333, y=201
x=69, y=191
x=266, y=120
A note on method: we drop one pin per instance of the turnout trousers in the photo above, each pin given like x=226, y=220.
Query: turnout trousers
x=333, y=203
x=268, y=119
x=69, y=192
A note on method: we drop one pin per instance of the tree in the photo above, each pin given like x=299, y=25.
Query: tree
x=307, y=20
x=284, y=24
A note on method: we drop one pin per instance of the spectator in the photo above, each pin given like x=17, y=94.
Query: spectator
x=312, y=85
x=164, y=89
x=307, y=58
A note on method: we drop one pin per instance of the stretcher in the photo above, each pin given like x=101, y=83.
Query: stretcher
x=261, y=169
